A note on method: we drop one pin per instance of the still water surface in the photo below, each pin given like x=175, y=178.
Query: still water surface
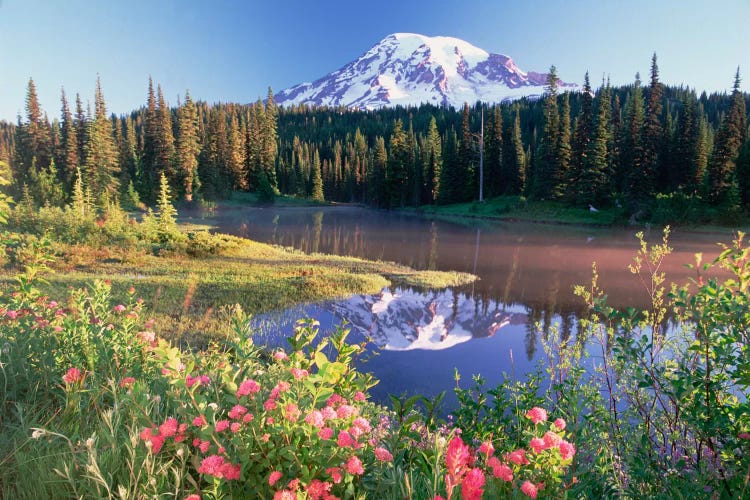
x=527, y=273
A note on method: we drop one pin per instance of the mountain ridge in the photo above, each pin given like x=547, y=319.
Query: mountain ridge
x=410, y=69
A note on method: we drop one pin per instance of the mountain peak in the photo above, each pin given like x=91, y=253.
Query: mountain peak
x=409, y=69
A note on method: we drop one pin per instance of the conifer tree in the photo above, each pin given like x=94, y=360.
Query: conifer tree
x=652, y=137
x=701, y=157
x=237, y=155
x=581, y=139
x=33, y=141
x=69, y=145
x=683, y=171
x=317, y=179
x=593, y=179
x=188, y=147
x=629, y=172
x=546, y=166
x=150, y=145
x=167, y=219
x=102, y=161
x=81, y=127
x=270, y=139
x=377, y=177
x=494, y=157
x=518, y=174
x=465, y=163
x=433, y=164
x=397, y=171
x=729, y=138
x=164, y=144
x=564, y=151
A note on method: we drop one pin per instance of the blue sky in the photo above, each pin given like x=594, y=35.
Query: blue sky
x=233, y=50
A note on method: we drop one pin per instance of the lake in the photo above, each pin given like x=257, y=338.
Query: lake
x=527, y=273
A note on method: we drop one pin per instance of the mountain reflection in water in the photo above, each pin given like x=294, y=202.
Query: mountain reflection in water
x=406, y=319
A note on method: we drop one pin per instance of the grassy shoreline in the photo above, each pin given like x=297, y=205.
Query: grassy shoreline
x=518, y=209
x=191, y=296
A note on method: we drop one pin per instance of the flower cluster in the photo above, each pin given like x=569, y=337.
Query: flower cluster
x=530, y=470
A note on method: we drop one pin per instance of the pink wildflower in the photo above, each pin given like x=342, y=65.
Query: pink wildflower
x=472, y=486
x=551, y=440
x=291, y=412
x=346, y=411
x=486, y=448
x=362, y=424
x=119, y=308
x=457, y=457
x=222, y=425
x=204, y=446
x=127, y=382
x=285, y=495
x=537, y=415
x=280, y=356
x=194, y=496
x=235, y=427
x=328, y=413
x=518, y=457
x=248, y=387
x=335, y=474
x=560, y=424
x=237, y=411
x=345, y=440
x=169, y=427
x=156, y=440
x=325, y=433
x=274, y=477
x=383, y=455
x=354, y=466
x=538, y=445
x=503, y=472
x=317, y=489
x=299, y=373
x=529, y=489
x=744, y=435
x=216, y=466
x=269, y=405
x=335, y=400
x=72, y=376
x=247, y=418
x=315, y=419
x=12, y=314
x=199, y=421
x=360, y=396
x=567, y=450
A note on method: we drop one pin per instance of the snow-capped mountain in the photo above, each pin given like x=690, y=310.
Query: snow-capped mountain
x=406, y=319
x=409, y=69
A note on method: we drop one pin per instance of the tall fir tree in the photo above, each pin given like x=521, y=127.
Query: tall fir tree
x=494, y=153
x=102, y=158
x=546, y=165
x=188, y=147
x=433, y=162
x=731, y=135
x=652, y=139
x=150, y=146
x=468, y=186
x=316, y=181
x=628, y=175
x=69, y=146
x=581, y=140
x=518, y=172
x=164, y=144
x=270, y=139
x=564, y=151
x=397, y=173
x=593, y=181
x=81, y=126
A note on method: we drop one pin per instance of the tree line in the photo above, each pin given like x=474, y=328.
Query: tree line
x=620, y=146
